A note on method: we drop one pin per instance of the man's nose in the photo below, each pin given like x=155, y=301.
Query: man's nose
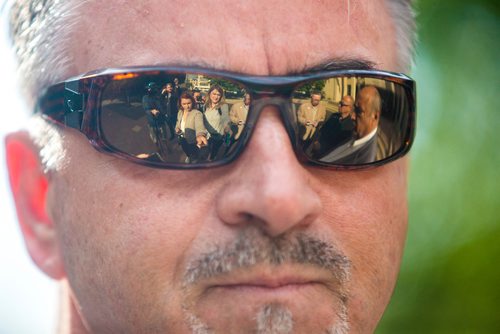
x=267, y=185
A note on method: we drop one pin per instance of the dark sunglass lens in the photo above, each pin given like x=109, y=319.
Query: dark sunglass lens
x=149, y=117
x=352, y=120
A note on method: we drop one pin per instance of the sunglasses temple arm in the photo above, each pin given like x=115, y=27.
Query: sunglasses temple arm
x=63, y=104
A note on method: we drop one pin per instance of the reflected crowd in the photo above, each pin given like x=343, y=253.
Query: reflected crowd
x=348, y=136
x=202, y=120
x=201, y=123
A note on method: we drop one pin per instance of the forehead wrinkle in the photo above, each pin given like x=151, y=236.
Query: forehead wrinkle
x=171, y=42
x=284, y=43
x=245, y=41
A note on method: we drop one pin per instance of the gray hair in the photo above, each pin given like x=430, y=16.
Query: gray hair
x=38, y=40
x=404, y=17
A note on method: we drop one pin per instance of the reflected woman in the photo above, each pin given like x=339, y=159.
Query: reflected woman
x=216, y=119
x=190, y=128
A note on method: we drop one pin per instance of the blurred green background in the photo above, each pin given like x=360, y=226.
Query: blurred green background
x=450, y=278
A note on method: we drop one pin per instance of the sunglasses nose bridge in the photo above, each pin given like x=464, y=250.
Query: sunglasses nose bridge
x=286, y=110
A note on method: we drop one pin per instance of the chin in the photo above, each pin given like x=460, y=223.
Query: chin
x=308, y=308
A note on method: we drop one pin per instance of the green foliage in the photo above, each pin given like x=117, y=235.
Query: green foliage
x=449, y=282
x=228, y=86
x=309, y=87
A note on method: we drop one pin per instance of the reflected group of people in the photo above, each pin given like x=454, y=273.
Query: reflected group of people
x=161, y=107
x=205, y=123
x=347, y=136
x=202, y=124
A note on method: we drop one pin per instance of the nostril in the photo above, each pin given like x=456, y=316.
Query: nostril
x=245, y=216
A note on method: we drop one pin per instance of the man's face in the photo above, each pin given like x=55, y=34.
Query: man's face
x=365, y=116
x=169, y=88
x=346, y=105
x=315, y=99
x=236, y=248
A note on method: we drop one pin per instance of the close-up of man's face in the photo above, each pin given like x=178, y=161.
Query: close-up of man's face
x=264, y=244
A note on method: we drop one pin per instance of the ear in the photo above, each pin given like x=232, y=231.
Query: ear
x=29, y=186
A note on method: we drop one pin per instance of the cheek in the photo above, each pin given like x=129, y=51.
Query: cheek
x=124, y=236
x=367, y=215
x=369, y=210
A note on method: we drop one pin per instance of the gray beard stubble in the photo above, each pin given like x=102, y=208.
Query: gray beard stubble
x=251, y=248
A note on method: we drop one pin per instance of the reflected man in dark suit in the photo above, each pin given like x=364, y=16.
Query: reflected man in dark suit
x=363, y=147
x=152, y=108
x=170, y=101
x=338, y=129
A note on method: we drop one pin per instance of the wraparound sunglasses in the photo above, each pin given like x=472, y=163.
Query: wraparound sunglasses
x=185, y=118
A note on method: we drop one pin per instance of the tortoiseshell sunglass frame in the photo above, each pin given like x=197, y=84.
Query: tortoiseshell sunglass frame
x=75, y=103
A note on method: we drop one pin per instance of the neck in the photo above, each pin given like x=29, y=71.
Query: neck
x=367, y=131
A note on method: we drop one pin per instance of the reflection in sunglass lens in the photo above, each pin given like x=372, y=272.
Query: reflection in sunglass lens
x=351, y=120
x=151, y=118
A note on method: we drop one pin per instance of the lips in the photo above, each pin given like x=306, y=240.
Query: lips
x=265, y=289
x=269, y=285
x=271, y=280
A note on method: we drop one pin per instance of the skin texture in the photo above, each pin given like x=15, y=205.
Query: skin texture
x=121, y=237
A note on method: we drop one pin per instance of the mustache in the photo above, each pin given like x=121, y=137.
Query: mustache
x=253, y=247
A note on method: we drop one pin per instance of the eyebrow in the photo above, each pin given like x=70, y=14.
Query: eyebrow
x=337, y=64
x=331, y=64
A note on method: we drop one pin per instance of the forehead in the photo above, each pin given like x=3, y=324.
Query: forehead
x=257, y=37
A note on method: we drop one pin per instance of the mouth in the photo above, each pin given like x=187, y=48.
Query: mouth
x=266, y=289
x=270, y=283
